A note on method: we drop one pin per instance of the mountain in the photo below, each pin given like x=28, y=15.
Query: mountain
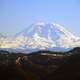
x=42, y=36
x=2, y=38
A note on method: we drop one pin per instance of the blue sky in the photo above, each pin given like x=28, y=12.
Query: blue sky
x=16, y=15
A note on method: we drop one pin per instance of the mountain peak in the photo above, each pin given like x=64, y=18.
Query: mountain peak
x=47, y=34
x=40, y=23
x=43, y=36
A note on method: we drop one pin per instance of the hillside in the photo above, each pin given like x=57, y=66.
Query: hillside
x=40, y=65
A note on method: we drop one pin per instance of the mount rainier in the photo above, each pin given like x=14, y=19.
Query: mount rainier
x=41, y=36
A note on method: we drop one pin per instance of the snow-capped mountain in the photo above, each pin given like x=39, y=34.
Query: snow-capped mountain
x=42, y=36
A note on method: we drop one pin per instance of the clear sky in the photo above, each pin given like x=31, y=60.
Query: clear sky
x=16, y=15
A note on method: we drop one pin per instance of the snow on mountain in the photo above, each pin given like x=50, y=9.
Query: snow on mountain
x=42, y=35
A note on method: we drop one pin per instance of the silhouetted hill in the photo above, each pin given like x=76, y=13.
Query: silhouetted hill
x=70, y=70
x=33, y=66
x=40, y=65
x=74, y=51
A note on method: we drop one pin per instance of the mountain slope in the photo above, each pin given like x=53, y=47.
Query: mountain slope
x=42, y=36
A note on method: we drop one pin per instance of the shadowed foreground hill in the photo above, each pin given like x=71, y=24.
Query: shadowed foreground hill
x=40, y=65
x=70, y=70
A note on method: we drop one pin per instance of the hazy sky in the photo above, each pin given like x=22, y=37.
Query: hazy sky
x=16, y=15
